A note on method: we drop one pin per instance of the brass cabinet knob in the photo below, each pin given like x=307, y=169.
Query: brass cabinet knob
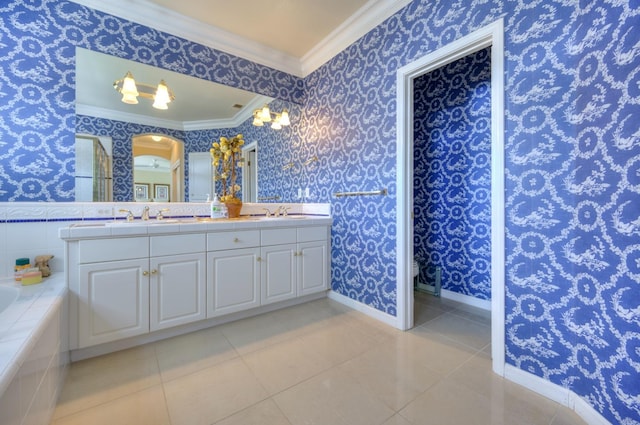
x=145, y=273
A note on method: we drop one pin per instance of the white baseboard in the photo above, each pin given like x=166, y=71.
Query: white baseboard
x=586, y=411
x=363, y=308
x=466, y=299
x=555, y=392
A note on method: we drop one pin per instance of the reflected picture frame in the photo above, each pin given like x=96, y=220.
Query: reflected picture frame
x=161, y=192
x=141, y=191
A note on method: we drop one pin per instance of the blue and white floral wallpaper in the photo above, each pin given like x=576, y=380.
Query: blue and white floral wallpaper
x=37, y=85
x=572, y=158
x=572, y=179
x=452, y=175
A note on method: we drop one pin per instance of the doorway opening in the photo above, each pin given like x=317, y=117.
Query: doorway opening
x=250, y=173
x=158, y=171
x=491, y=36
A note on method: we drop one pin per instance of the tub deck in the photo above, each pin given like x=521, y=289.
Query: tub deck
x=22, y=322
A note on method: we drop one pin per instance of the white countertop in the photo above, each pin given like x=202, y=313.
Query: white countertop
x=96, y=229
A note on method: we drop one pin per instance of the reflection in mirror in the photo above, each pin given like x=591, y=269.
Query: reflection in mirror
x=250, y=173
x=157, y=162
x=201, y=112
x=93, y=169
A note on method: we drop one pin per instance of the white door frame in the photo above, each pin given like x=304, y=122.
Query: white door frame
x=253, y=146
x=493, y=36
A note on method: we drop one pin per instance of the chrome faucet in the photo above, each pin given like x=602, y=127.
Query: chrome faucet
x=145, y=213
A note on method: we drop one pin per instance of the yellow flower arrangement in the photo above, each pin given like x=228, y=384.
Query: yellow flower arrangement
x=227, y=155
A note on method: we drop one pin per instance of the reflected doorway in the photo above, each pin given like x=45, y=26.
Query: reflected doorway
x=250, y=173
x=158, y=171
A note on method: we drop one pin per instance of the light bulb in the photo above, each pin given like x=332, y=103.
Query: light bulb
x=284, y=117
x=161, y=97
x=129, y=90
x=265, y=114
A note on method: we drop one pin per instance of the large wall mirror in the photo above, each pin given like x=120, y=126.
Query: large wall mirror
x=147, y=141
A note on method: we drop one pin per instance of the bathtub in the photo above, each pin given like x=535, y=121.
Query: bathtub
x=33, y=353
x=8, y=295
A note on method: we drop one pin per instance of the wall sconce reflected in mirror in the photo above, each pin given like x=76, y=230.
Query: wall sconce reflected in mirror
x=311, y=160
x=288, y=166
x=131, y=89
x=264, y=115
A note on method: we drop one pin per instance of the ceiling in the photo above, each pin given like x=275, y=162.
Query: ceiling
x=290, y=26
x=280, y=35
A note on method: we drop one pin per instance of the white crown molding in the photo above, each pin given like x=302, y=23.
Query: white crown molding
x=369, y=16
x=110, y=114
x=146, y=13
x=244, y=114
x=160, y=18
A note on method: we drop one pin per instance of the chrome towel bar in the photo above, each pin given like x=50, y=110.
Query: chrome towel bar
x=382, y=192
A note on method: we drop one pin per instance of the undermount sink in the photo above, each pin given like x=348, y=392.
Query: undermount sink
x=97, y=224
x=288, y=217
x=141, y=222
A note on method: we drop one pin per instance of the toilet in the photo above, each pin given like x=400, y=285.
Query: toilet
x=433, y=276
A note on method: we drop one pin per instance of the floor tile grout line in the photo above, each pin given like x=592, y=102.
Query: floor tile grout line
x=162, y=385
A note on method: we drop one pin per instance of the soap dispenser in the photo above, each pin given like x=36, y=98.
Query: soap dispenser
x=216, y=208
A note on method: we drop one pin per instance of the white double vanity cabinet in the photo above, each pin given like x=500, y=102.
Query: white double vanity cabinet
x=133, y=281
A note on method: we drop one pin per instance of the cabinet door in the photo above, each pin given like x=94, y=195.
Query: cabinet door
x=278, y=273
x=114, y=301
x=232, y=281
x=177, y=290
x=312, y=267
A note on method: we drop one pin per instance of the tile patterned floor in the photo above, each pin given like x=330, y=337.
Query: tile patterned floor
x=317, y=363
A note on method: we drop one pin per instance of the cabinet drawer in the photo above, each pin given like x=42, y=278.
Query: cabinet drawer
x=95, y=250
x=177, y=244
x=233, y=240
x=277, y=236
x=315, y=233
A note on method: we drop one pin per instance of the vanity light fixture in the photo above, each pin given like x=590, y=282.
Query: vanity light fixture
x=261, y=116
x=130, y=90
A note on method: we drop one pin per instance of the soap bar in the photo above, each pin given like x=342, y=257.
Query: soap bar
x=31, y=278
